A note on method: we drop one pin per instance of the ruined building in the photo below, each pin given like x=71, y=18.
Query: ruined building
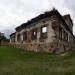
x=48, y=32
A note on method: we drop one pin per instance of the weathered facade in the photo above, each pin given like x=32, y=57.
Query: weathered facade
x=48, y=32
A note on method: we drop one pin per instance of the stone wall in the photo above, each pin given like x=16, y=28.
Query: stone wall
x=4, y=43
x=40, y=47
x=53, y=47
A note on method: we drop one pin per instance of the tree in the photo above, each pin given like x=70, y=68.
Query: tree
x=2, y=38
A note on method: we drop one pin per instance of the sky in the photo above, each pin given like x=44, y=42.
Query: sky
x=15, y=12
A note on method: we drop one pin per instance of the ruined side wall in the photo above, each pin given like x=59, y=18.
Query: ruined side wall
x=38, y=25
x=47, y=45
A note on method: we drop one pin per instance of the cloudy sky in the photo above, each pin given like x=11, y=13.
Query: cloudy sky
x=15, y=12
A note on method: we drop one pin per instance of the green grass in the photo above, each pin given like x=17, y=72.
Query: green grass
x=18, y=62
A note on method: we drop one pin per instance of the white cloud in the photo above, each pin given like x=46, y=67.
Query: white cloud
x=15, y=12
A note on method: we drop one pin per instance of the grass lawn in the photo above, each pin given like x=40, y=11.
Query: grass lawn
x=17, y=62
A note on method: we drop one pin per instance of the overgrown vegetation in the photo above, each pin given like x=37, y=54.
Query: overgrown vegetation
x=18, y=62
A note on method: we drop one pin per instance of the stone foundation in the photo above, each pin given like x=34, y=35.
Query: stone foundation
x=42, y=47
x=53, y=47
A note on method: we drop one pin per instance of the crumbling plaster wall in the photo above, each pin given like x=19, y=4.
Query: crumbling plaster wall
x=38, y=25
